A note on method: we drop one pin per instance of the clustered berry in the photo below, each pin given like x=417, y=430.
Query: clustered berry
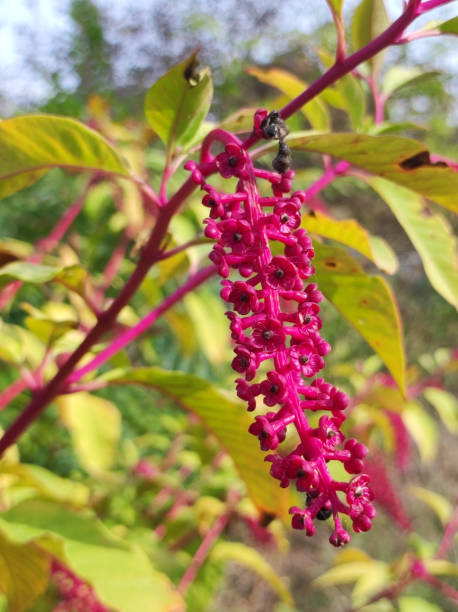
x=76, y=595
x=275, y=321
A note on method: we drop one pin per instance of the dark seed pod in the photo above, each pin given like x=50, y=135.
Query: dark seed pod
x=282, y=161
x=273, y=126
x=323, y=514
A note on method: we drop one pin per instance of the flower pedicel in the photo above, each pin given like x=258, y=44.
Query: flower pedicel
x=244, y=224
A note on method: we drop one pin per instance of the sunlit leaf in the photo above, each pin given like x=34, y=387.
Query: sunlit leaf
x=336, y=5
x=450, y=26
x=352, y=234
x=47, y=483
x=95, y=427
x=446, y=405
x=438, y=503
x=430, y=234
x=343, y=574
x=369, y=20
x=399, y=76
x=252, y=559
x=441, y=567
x=122, y=576
x=11, y=250
x=178, y=102
x=416, y=604
x=225, y=418
x=423, y=430
x=27, y=272
x=315, y=110
x=33, y=144
x=401, y=160
x=240, y=121
x=24, y=573
x=367, y=303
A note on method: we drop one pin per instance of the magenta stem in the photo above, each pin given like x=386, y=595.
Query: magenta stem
x=201, y=554
x=11, y=392
x=326, y=178
x=128, y=336
x=448, y=537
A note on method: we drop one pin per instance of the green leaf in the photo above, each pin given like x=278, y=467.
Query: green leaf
x=27, y=272
x=240, y=121
x=438, y=503
x=178, y=102
x=450, y=26
x=225, y=418
x=416, y=604
x=399, y=76
x=46, y=483
x=95, y=427
x=337, y=5
x=11, y=249
x=352, y=234
x=441, y=567
x=430, y=234
x=251, y=558
x=121, y=575
x=343, y=574
x=33, y=144
x=24, y=573
x=369, y=20
x=347, y=94
x=401, y=160
x=446, y=405
x=367, y=303
x=315, y=110
x=423, y=430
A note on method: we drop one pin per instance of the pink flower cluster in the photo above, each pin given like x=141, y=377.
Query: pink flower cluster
x=275, y=322
x=77, y=595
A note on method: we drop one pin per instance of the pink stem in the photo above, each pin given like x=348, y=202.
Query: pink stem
x=11, y=392
x=449, y=534
x=105, y=321
x=431, y=4
x=327, y=177
x=124, y=339
x=201, y=554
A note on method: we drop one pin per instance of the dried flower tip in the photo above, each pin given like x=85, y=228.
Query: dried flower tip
x=282, y=162
x=273, y=126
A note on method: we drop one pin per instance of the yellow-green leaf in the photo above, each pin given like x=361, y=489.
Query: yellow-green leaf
x=367, y=303
x=422, y=428
x=441, y=567
x=315, y=110
x=417, y=604
x=252, y=559
x=369, y=20
x=401, y=160
x=430, y=234
x=446, y=405
x=24, y=573
x=122, y=575
x=178, y=102
x=26, y=272
x=352, y=234
x=343, y=573
x=336, y=5
x=225, y=418
x=33, y=144
x=398, y=76
x=95, y=427
x=438, y=503
x=450, y=26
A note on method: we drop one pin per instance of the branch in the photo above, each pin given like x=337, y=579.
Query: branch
x=128, y=336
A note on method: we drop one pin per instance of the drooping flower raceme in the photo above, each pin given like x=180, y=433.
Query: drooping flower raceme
x=274, y=321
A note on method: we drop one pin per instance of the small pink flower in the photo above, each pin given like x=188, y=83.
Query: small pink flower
x=287, y=216
x=236, y=234
x=304, y=358
x=232, y=162
x=244, y=297
x=245, y=362
x=268, y=335
x=282, y=274
x=329, y=433
x=274, y=389
x=269, y=432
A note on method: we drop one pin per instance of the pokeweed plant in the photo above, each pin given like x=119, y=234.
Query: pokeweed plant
x=259, y=233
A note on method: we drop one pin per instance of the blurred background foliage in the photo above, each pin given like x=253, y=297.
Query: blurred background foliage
x=98, y=69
